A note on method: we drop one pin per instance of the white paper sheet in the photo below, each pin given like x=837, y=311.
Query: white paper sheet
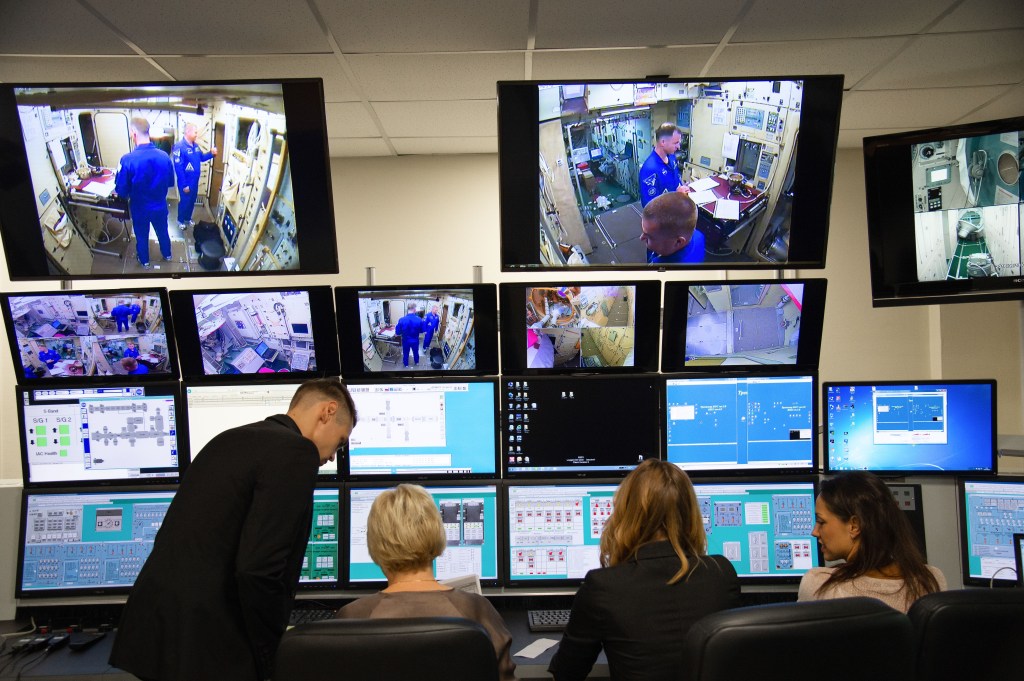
x=730, y=145
x=536, y=648
x=702, y=184
x=703, y=196
x=727, y=209
x=103, y=189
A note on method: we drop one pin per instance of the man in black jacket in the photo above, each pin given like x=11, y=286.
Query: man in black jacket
x=213, y=598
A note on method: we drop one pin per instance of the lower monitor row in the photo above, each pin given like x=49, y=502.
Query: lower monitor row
x=529, y=534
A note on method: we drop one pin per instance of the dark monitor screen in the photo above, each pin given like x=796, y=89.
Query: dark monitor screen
x=991, y=512
x=100, y=434
x=773, y=324
x=471, y=516
x=741, y=424
x=321, y=564
x=90, y=336
x=438, y=429
x=924, y=427
x=1018, y=551
x=586, y=426
x=86, y=543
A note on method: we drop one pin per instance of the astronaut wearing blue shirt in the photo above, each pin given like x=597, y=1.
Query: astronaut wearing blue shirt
x=131, y=351
x=659, y=174
x=668, y=226
x=143, y=177
x=49, y=357
x=409, y=328
x=430, y=324
x=135, y=310
x=188, y=159
x=120, y=313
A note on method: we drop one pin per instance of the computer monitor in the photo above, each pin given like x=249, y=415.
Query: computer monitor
x=86, y=543
x=578, y=426
x=554, y=530
x=911, y=427
x=75, y=435
x=321, y=566
x=443, y=428
x=742, y=424
x=1018, y=551
x=991, y=512
x=472, y=524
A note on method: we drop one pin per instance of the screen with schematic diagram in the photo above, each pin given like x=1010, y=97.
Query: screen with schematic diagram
x=101, y=434
x=605, y=149
x=762, y=528
x=77, y=543
x=554, y=531
x=320, y=564
x=990, y=513
x=472, y=526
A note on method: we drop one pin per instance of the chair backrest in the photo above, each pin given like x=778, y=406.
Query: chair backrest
x=969, y=634
x=839, y=640
x=426, y=648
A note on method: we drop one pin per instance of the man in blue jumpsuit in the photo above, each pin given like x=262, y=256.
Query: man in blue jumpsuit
x=668, y=227
x=144, y=177
x=659, y=173
x=121, y=312
x=131, y=351
x=430, y=324
x=188, y=159
x=49, y=357
x=135, y=310
x=409, y=328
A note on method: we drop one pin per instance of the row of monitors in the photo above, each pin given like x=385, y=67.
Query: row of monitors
x=563, y=327
x=506, y=533
x=516, y=427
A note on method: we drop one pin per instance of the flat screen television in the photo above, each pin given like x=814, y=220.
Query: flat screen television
x=472, y=519
x=86, y=542
x=991, y=511
x=911, y=427
x=579, y=160
x=453, y=330
x=770, y=325
x=749, y=424
x=436, y=429
x=90, y=337
x=287, y=332
x=945, y=213
x=562, y=327
x=321, y=566
x=264, y=201
x=578, y=426
x=74, y=435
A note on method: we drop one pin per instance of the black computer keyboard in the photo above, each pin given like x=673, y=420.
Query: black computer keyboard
x=548, y=620
x=304, y=615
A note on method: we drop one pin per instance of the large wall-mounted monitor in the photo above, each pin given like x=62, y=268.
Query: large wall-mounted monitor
x=92, y=337
x=579, y=160
x=86, y=543
x=911, y=427
x=109, y=434
x=580, y=327
x=442, y=428
x=287, y=332
x=578, y=426
x=418, y=330
x=321, y=565
x=263, y=202
x=991, y=512
x=471, y=515
x=771, y=324
x=945, y=213
x=750, y=424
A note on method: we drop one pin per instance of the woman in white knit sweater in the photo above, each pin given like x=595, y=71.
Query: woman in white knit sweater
x=858, y=521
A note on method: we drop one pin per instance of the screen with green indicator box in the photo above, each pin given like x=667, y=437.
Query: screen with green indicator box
x=320, y=564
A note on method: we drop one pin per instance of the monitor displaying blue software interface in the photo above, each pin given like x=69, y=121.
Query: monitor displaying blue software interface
x=938, y=427
x=471, y=524
x=441, y=428
x=86, y=542
x=741, y=423
x=991, y=512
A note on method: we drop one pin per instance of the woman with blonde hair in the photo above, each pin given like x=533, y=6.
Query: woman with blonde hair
x=657, y=580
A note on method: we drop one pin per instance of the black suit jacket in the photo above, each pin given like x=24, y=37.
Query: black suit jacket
x=213, y=598
x=639, y=619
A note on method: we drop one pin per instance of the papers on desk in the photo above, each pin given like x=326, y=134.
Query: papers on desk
x=537, y=648
x=103, y=189
x=727, y=209
x=702, y=184
x=703, y=196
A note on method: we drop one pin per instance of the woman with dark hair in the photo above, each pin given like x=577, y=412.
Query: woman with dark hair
x=657, y=580
x=858, y=521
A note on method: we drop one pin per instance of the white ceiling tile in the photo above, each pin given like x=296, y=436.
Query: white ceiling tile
x=82, y=69
x=983, y=15
x=350, y=119
x=362, y=26
x=405, y=77
x=818, y=19
x=853, y=58
x=439, y=119
x=629, y=63
x=366, y=146
x=445, y=145
x=337, y=87
x=1006, y=105
x=911, y=108
x=56, y=27
x=639, y=23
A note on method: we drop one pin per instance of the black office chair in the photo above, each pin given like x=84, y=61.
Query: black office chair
x=423, y=648
x=968, y=634
x=845, y=639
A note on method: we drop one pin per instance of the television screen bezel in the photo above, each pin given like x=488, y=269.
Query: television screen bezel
x=518, y=136
x=890, y=221
x=309, y=160
x=965, y=550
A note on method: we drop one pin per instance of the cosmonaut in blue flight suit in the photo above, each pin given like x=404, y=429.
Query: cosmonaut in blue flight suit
x=121, y=312
x=430, y=324
x=49, y=357
x=188, y=159
x=659, y=174
x=409, y=328
x=143, y=177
